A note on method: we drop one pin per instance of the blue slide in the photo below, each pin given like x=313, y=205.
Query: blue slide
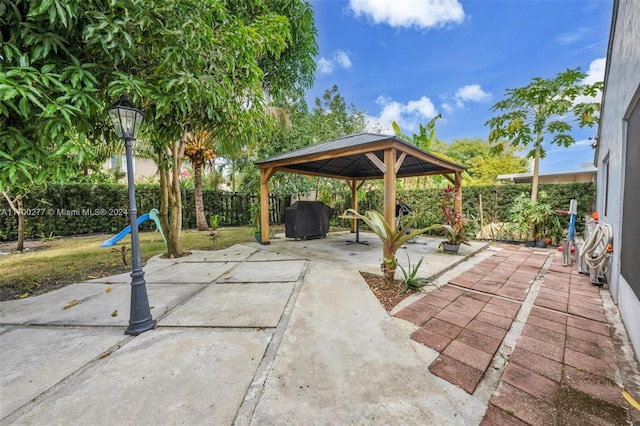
x=153, y=215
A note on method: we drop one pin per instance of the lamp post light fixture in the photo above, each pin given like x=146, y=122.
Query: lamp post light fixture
x=126, y=120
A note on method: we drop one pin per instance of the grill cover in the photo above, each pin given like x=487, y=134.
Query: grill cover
x=307, y=219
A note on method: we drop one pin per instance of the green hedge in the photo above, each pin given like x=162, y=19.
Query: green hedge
x=77, y=209
x=496, y=200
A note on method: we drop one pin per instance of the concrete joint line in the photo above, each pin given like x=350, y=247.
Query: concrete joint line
x=489, y=383
x=256, y=388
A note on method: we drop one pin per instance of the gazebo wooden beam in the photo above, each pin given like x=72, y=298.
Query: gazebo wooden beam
x=400, y=161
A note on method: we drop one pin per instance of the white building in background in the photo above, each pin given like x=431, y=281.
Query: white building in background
x=143, y=168
x=618, y=161
x=585, y=174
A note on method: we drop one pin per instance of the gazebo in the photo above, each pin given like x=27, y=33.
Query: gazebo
x=358, y=158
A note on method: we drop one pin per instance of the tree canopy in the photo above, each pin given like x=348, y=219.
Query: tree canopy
x=544, y=107
x=483, y=164
x=188, y=64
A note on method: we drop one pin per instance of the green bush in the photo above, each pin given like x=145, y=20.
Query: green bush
x=496, y=201
x=81, y=208
x=75, y=209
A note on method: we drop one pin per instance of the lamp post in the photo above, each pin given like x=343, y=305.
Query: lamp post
x=126, y=120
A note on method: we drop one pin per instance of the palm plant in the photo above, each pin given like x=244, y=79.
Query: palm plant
x=392, y=239
x=410, y=278
x=198, y=151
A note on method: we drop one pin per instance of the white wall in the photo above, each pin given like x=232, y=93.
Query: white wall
x=622, y=82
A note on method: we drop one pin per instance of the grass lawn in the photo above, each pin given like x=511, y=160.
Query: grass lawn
x=49, y=265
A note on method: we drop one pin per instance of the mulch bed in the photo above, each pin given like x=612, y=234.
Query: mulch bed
x=388, y=297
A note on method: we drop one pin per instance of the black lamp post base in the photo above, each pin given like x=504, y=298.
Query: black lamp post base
x=135, y=329
x=140, y=318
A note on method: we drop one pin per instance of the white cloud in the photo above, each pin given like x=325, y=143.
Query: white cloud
x=596, y=71
x=594, y=74
x=468, y=93
x=325, y=66
x=472, y=92
x=408, y=115
x=410, y=13
x=571, y=37
x=340, y=59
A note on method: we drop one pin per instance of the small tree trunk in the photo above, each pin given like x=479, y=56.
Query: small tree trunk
x=201, y=220
x=20, y=223
x=18, y=209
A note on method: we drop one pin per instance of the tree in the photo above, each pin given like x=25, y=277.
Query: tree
x=190, y=65
x=427, y=141
x=540, y=108
x=544, y=107
x=47, y=96
x=422, y=140
x=332, y=118
x=484, y=164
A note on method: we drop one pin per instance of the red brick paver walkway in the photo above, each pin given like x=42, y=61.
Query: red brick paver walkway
x=467, y=326
x=563, y=368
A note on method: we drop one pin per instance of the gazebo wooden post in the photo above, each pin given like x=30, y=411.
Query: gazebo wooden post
x=390, y=187
x=354, y=201
x=457, y=204
x=265, y=175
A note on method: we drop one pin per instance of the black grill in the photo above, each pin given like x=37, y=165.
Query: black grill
x=307, y=219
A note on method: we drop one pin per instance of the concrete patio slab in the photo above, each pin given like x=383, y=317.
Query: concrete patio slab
x=260, y=272
x=343, y=361
x=313, y=348
x=34, y=359
x=95, y=306
x=233, y=305
x=190, y=273
x=336, y=249
x=236, y=253
x=124, y=278
x=264, y=256
x=160, y=377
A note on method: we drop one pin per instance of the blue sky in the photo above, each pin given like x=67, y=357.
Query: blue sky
x=408, y=60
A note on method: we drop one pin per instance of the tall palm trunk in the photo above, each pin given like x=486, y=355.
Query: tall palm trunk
x=201, y=220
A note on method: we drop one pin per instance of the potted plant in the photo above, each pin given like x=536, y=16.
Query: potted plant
x=455, y=223
x=454, y=238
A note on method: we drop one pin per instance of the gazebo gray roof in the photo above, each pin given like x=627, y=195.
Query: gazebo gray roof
x=360, y=156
